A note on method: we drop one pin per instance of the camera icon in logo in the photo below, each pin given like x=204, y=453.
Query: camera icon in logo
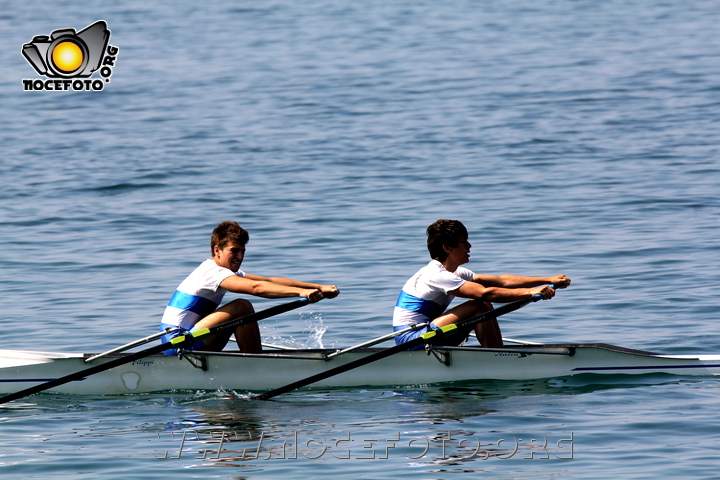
x=68, y=54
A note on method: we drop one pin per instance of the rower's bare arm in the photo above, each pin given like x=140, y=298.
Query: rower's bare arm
x=518, y=281
x=266, y=289
x=478, y=291
x=328, y=291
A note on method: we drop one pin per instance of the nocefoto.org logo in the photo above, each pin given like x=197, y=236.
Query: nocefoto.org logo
x=68, y=59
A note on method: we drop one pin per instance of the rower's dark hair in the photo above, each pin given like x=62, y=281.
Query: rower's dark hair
x=227, y=232
x=447, y=233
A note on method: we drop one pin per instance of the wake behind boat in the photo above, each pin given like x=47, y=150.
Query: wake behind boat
x=272, y=369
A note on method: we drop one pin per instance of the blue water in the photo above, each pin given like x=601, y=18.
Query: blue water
x=576, y=137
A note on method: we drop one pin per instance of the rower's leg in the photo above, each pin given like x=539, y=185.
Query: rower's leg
x=247, y=336
x=488, y=333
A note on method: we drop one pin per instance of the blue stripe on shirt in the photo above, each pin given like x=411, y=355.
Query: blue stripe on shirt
x=419, y=305
x=194, y=303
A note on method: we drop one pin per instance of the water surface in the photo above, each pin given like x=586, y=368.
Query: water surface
x=570, y=137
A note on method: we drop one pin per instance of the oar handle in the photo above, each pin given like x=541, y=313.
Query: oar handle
x=537, y=296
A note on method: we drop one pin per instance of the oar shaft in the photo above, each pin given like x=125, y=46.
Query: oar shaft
x=337, y=370
x=179, y=342
x=429, y=337
x=82, y=374
x=189, y=339
x=375, y=341
x=132, y=344
x=496, y=312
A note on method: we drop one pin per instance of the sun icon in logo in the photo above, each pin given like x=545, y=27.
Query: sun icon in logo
x=67, y=56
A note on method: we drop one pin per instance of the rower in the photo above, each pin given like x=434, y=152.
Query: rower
x=430, y=291
x=195, y=304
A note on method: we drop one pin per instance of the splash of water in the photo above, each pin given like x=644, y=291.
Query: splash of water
x=310, y=336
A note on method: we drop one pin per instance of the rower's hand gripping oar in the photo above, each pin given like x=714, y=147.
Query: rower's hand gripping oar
x=428, y=338
x=177, y=342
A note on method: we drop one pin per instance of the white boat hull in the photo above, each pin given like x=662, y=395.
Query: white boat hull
x=244, y=372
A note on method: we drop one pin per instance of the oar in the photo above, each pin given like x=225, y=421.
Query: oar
x=428, y=338
x=177, y=342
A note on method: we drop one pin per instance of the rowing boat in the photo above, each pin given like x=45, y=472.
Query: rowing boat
x=255, y=372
